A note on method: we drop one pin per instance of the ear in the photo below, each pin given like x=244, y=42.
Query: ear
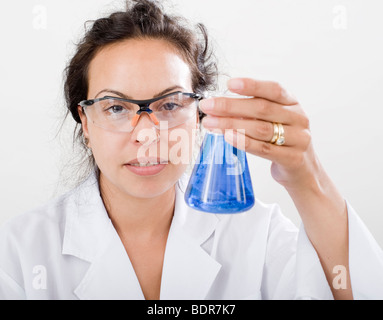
x=84, y=124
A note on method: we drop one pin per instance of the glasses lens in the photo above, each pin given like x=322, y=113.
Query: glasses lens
x=113, y=114
x=117, y=115
x=175, y=110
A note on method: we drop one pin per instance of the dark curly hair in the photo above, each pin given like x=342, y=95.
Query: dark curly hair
x=142, y=19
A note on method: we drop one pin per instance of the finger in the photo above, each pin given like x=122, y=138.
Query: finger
x=269, y=90
x=256, y=108
x=286, y=156
x=257, y=129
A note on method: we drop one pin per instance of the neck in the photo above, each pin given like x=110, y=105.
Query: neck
x=138, y=217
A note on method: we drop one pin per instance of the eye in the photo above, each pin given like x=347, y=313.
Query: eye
x=170, y=106
x=116, y=110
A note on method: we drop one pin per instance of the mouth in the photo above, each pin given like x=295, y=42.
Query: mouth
x=141, y=165
x=147, y=166
x=146, y=162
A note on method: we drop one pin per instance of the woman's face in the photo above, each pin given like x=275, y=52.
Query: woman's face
x=140, y=70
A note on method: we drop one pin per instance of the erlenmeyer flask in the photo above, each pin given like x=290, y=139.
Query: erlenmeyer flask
x=220, y=181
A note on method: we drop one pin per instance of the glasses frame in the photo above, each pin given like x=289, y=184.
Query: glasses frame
x=144, y=105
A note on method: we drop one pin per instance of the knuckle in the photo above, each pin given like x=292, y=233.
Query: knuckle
x=263, y=129
x=304, y=119
x=220, y=104
x=246, y=142
x=264, y=148
x=262, y=109
x=306, y=122
x=227, y=123
x=306, y=139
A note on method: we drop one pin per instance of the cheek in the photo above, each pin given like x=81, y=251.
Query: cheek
x=106, y=146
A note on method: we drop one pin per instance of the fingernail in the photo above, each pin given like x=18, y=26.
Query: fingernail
x=210, y=122
x=235, y=84
x=207, y=104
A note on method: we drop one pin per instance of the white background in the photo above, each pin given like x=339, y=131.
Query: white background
x=329, y=53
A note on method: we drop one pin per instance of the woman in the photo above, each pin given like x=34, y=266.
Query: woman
x=126, y=233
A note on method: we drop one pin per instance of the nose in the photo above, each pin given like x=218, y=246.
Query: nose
x=144, y=132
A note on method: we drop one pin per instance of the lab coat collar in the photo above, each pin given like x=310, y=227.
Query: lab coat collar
x=188, y=271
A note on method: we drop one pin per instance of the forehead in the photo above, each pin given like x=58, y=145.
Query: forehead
x=138, y=68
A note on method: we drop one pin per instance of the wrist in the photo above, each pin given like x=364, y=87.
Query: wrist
x=310, y=179
x=317, y=193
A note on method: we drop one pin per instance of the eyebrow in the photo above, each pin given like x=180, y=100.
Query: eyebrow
x=121, y=95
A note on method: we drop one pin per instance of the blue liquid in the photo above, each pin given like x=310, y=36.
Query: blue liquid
x=220, y=182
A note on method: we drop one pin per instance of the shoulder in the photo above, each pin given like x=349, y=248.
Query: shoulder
x=38, y=233
x=39, y=223
x=262, y=231
x=26, y=239
x=49, y=218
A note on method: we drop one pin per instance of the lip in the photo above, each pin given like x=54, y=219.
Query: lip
x=149, y=170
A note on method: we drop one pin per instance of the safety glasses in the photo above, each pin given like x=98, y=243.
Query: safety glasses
x=122, y=115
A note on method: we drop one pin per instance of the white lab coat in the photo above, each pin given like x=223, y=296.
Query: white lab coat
x=69, y=249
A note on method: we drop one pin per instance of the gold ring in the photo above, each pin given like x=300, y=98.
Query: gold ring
x=276, y=133
x=281, y=135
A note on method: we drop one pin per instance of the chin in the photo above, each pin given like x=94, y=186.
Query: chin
x=150, y=186
x=148, y=189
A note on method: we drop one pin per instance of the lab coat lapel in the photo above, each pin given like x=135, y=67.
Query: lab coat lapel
x=111, y=275
x=90, y=236
x=188, y=271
